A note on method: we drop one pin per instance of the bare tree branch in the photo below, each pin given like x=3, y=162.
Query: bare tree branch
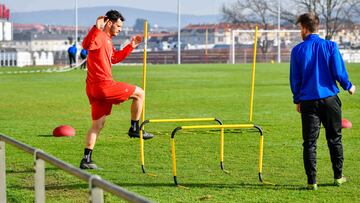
x=334, y=14
x=250, y=11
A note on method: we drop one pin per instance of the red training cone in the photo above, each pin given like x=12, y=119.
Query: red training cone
x=63, y=130
x=345, y=123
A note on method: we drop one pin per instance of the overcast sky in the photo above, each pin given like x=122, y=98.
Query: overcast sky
x=198, y=7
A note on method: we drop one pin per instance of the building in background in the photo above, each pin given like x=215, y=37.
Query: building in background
x=13, y=57
x=39, y=44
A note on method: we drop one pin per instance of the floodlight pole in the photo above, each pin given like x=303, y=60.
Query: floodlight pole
x=232, y=47
x=76, y=28
x=206, y=44
x=278, y=34
x=179, y=42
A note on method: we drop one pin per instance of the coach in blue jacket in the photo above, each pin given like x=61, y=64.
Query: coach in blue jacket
x=316, y=64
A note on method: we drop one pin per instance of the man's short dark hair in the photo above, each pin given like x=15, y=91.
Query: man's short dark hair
x=309, y=20
x=114, y=15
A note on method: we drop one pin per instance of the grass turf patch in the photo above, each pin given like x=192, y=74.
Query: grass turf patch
x=32, y=105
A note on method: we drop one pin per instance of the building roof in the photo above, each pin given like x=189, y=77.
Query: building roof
x=30, y=36
x=162, y=34
x=29, y=27
x=225, y=27
x=51, y=28
x=8, y=49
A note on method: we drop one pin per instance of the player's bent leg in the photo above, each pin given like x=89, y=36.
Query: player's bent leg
x=136, y=108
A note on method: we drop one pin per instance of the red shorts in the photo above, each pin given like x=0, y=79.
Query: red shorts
x=104, y=94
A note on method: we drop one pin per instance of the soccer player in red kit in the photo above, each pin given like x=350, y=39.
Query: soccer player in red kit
x=101, y=89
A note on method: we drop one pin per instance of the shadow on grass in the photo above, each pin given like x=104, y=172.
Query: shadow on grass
x=217, y=185
x=55, y=187
x=260, y=186
x=69, y=186
x=184, y=186
x=45, y=135
x=29, y=170
x=327, y=185
x=273, y=84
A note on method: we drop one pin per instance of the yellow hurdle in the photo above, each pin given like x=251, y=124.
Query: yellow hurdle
x=172, y=120
x=222, y=127
x=233, y=126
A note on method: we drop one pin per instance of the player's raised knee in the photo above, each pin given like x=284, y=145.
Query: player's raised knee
x=139, y=93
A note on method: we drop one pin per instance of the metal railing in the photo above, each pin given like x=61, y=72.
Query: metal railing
x=96, y=184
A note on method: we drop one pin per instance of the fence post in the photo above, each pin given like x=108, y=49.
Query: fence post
x=96, y=194
x=2, y=172
x=39, y=178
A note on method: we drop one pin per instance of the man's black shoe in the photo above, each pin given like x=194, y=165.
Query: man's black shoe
x=87, y=165
x=136, y=134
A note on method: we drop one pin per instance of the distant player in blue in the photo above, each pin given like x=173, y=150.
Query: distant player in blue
x=83, y=56
x=315, y=67
x=72, y=54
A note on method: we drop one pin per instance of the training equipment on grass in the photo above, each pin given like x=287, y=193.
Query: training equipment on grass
x=64, y=131
x=345, y=123
x=142, y=126
x=222, y=127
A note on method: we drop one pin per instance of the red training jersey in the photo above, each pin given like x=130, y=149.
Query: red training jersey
x=101, y=55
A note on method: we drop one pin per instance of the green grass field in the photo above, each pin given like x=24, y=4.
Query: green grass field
x=32, y=105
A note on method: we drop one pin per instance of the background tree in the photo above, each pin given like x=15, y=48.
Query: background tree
x=139, y=24
x=334, y=14
x=256, y=11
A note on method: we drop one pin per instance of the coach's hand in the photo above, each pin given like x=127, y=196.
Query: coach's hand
x=352, y=90
x=136, y=41
x=101, y=21
x=298, y=108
